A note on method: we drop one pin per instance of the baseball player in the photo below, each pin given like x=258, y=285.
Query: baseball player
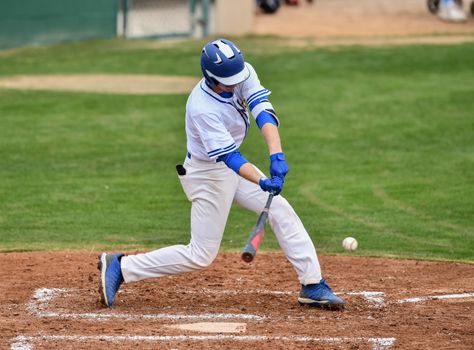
x=215, y=175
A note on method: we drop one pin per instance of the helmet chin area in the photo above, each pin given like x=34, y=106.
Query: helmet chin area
x=227, y=88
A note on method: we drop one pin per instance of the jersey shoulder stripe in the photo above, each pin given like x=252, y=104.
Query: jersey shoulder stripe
x=258, y=94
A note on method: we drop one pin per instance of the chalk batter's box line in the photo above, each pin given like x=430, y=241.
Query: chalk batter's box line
x=42, y=297
x=23, y=342
x=39, y=306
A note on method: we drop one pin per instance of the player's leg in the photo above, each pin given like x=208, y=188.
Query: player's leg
x=211, y=195
x=288, y=228
x=294, y=241
x=211, y=189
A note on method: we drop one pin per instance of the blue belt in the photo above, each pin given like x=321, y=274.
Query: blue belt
x=189, y=156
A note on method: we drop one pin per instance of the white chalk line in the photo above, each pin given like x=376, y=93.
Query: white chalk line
x=238, y=292
x=375, y=299
x=163, y=316
x=22, y=342
x=435, y=297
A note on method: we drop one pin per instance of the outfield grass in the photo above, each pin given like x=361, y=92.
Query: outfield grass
x=380, y=143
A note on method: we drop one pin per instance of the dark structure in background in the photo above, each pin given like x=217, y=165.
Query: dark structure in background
x=33, y=22
x=433, y=5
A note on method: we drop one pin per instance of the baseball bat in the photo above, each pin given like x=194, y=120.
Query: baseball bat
x=257, y=233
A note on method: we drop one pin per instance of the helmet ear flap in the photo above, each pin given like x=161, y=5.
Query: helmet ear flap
x=212, y=82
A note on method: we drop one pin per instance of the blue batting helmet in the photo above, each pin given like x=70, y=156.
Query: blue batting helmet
x=222, y=62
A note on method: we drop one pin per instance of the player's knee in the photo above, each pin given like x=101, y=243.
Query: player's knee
x=202, y=257
x=202, y=260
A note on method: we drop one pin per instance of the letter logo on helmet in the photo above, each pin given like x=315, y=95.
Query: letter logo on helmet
x=222, y=62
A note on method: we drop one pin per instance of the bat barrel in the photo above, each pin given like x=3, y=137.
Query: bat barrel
x=257, y=233
x=247, y=257
x=249, y=252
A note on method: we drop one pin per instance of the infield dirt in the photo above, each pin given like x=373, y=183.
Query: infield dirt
x=360, y=21
x=263, y=295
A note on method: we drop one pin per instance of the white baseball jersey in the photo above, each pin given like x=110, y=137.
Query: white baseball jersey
x=215, y=124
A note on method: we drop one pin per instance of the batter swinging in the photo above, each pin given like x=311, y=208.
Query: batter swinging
x=215, y=175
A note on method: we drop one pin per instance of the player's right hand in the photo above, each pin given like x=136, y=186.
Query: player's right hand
x=273, y=185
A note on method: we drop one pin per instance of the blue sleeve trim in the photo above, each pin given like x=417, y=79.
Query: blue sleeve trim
x=265, y=117
x=233, y=160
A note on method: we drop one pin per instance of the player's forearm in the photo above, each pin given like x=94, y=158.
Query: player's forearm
x=248, y=172
x=236, y=161
x=272, y=138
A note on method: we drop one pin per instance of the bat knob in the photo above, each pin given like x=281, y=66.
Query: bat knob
x=247, y=257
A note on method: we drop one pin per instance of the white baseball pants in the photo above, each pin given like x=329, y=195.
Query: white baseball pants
x=212, y=188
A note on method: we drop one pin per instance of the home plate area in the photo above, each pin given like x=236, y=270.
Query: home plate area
x=233, y=305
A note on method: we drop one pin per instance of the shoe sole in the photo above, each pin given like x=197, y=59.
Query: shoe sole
x=323, y=304
x=103, y=294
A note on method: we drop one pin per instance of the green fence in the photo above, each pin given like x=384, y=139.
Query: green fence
x=36, y=22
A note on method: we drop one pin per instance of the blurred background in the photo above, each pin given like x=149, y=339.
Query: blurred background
x=32, y=22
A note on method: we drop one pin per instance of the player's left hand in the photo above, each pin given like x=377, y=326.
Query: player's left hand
x=273, y=185
x=278, y=166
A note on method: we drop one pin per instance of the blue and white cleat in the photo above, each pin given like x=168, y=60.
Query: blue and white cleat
x=110, y=277
x=320, y=295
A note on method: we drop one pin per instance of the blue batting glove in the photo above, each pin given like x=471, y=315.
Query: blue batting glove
x=273, y=185
x=278, y=166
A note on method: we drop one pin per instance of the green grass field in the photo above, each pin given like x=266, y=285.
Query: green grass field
x=380, y=143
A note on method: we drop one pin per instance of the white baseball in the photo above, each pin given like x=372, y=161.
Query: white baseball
x=349, y=244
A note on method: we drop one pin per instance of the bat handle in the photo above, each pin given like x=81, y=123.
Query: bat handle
x=269, y=201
